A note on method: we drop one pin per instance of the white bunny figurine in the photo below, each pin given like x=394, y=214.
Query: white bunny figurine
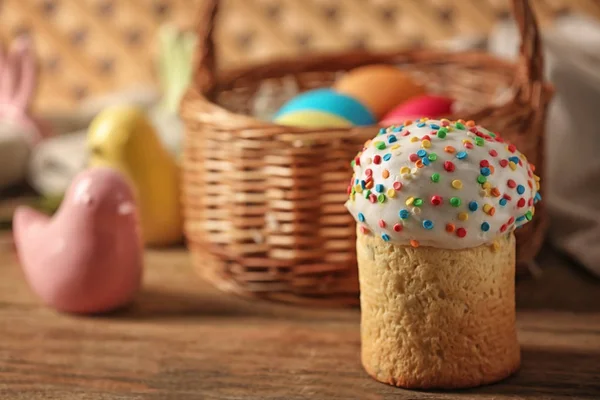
x=19, y=130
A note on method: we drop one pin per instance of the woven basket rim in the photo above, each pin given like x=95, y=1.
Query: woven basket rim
x=338, y=62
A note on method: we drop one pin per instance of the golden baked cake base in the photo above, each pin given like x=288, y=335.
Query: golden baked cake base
x=436, y=318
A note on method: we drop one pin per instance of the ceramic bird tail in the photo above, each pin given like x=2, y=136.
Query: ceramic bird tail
x=88, y=257
x=122, y=137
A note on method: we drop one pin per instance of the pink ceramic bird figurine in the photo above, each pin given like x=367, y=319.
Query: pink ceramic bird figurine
x=88, y=257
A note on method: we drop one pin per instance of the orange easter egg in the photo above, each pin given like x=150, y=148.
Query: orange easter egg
x=379, y=87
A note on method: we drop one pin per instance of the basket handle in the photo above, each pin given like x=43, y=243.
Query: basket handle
x=531, y=65
x=530, y=76
x=205, y=71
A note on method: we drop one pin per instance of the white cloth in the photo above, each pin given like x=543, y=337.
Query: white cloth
x=572, y=180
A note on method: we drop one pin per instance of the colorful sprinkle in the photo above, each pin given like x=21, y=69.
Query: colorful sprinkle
x=432, y=157
x=377, y=159
x=392, y=139
x=426, y=143
x=455, y=201
x=372, y=198
x=405, y=170
x=418, y=202
x=481, y=179
x=385, y=237
x=442, y=132
x=493, y=153
x=382, y=223
x=512, y=165
x=503, y=163
x=379, y=187
x=397, y=185
x=404, y=214
x=449, y=166
x=368, y=172
x=436, y=200
x=449, y=149
x=435, y=177
x=489, y=210
x=414, y=243
x=520, y=189
x=511, y=147
x=394, y=147
x=511, y=184
x=461, y=155
x=421, y=153
x=484, y=171
x=391, y=193
x=485, y=227
x=397, y=227
x=381, y=198
x=521, y=202
x=458, y=125
x=427, y=224
x=361, y=217
x=479, y=141
x=380, y=145
x=457, y=184
x=461, y=232
x=528, y=215
x=463, y=216
x=502, y=202
x=410, y=201
x=414, y=139
x=387, y=157
x=367, y=194
x=385, y=174
x=364, y=230
x=473, y=206
x=413, y=157
x=450, y=228
x=495, y=192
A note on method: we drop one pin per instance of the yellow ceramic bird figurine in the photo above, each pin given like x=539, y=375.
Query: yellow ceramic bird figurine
x=122, y=137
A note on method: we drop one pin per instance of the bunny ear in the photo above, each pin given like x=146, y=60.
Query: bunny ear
x=25, y=71
x=6, y=80
x=1, y=60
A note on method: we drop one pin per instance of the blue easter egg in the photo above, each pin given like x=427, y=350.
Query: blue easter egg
x=330, y=102
x=312, y=119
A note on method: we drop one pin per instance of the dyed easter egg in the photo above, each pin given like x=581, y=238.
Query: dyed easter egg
x=329, y=102
x=379, y=87
x=313, y=119
x=422, y=106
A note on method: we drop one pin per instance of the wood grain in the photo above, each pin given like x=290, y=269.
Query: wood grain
x=181, y=339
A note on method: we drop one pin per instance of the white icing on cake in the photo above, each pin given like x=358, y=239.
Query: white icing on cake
x=399, y=169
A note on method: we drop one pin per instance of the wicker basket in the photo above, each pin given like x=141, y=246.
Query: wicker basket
x=264, y=213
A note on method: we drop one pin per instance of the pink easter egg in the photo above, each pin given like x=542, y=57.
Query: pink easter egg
x=422, y=106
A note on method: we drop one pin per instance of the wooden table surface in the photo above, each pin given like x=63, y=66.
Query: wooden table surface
x=182, y=339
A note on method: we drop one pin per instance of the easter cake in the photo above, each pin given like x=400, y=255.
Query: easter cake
x=436, y=204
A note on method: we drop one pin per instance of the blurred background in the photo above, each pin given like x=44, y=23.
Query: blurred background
x=93, y=47
x=74, y=58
